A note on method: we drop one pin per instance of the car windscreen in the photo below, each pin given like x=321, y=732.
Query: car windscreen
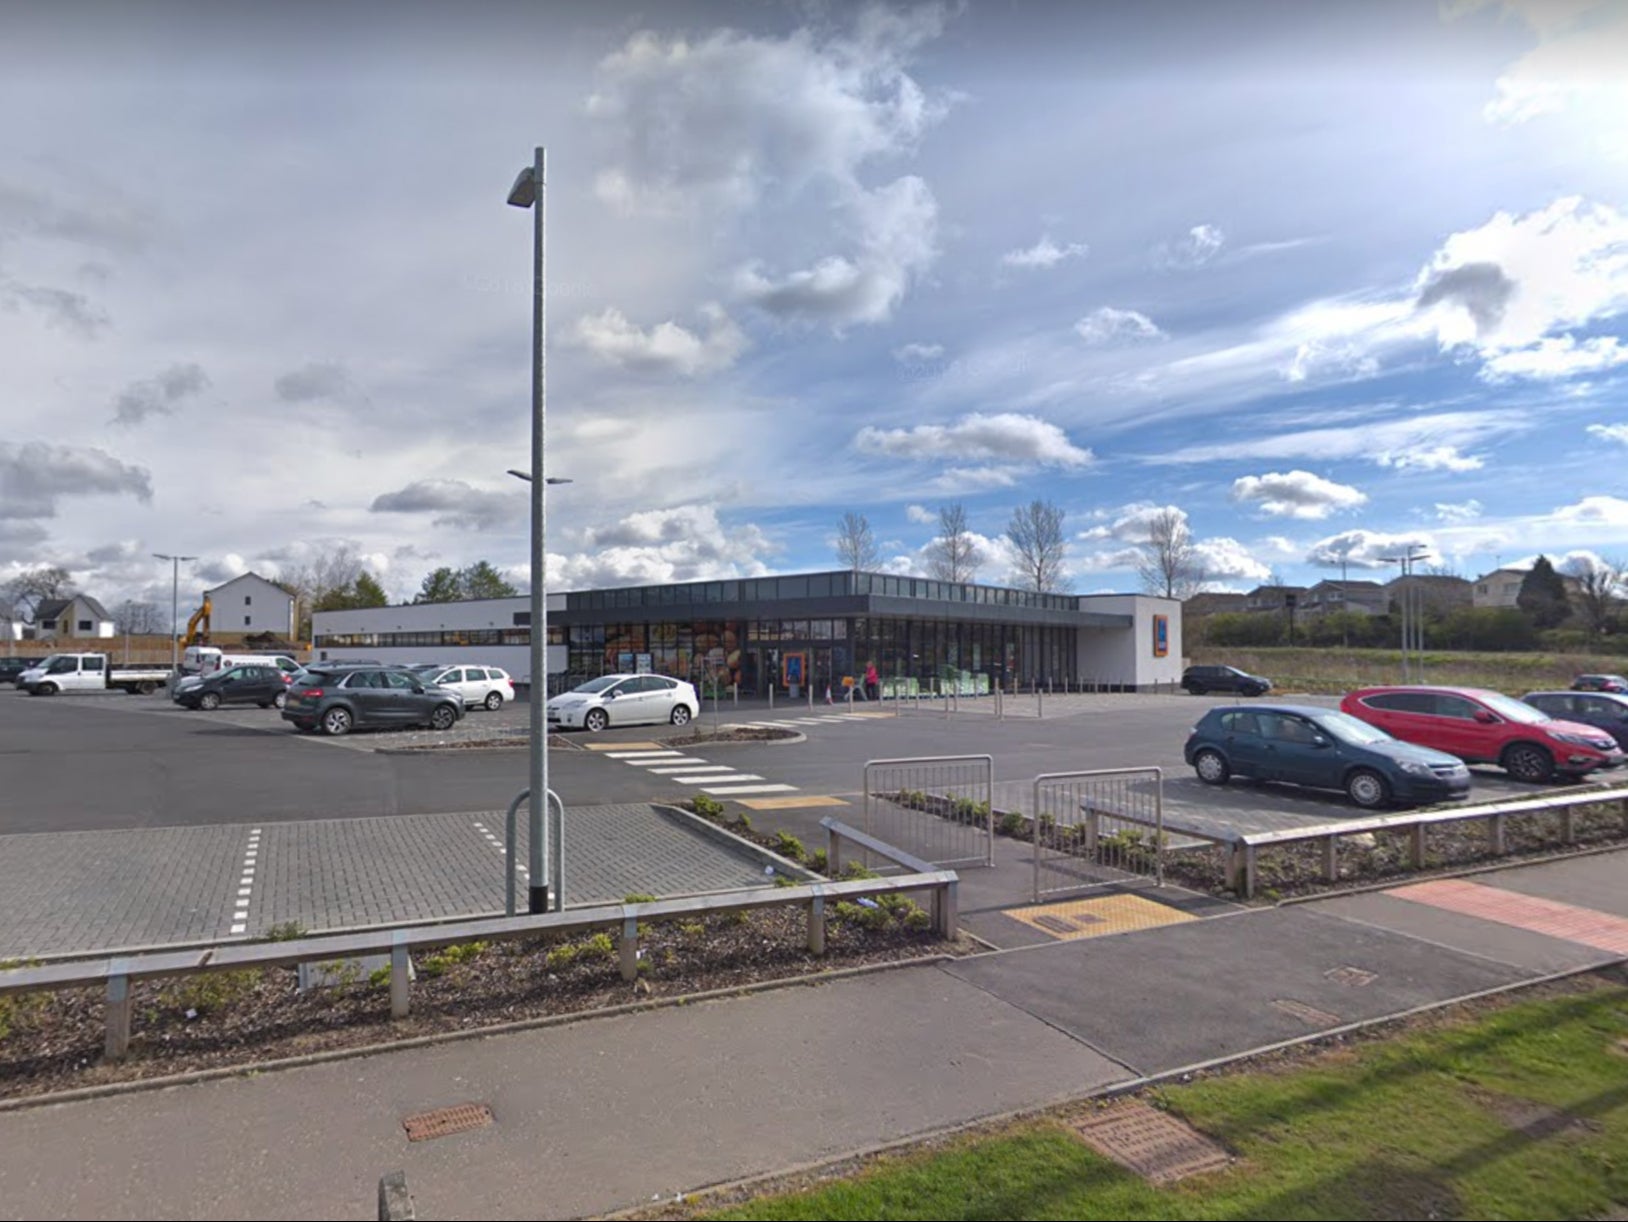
x=1349, y=729
x=599, y=685
x=1511, y=709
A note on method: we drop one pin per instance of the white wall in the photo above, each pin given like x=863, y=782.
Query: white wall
x=437, y=617
x=1125, y=659
x=270, y=608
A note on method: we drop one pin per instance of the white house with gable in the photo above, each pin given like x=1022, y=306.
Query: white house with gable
x=250, y=604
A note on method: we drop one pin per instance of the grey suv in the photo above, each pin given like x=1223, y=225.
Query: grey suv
x=335, y=700
x=1200, y=679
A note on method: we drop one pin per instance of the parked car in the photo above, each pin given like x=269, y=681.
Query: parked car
x=1200, y=679
x=1599, y=683
x=262, y=685
x=1486, y=727
x=625, y=700
x=1606, y=711
x=11, y=668
x=1324, y=749
x=483, y=686
x=338, y=699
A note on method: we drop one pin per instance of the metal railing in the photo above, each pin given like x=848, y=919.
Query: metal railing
x=940, y=807
x=556, y=859
x=1104, y=825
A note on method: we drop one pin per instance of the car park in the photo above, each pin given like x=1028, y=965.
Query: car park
x=265, y=686
x=338, y=699
x=1485, y=727
x=480, y=686
x=1323, y=749
x=1198, y=680
x=624, y=700
x=1599, y=683
x=1606, y=711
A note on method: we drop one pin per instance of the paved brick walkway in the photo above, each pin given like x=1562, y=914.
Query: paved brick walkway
x=1599, y=930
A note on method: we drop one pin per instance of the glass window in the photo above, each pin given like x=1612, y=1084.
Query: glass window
x=794, y=587
x=1455, y=706
x=819, y=629
x=1403, y=702
x=399, y=679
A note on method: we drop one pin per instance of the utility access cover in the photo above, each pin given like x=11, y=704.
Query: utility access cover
x=445, y=1121
x=1154, y=1144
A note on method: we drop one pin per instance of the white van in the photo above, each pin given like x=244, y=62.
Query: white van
x=207, y=659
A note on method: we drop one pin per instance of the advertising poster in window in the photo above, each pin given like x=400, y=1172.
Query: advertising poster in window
x=1161, y=636
x=642, y=664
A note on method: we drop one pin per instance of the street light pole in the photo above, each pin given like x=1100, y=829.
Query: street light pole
x=530, y=190
x=1412, y=609
x=175, y=608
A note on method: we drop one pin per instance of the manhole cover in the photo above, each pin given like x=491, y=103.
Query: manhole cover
x=1356, y=977
x=444, y=1121
x=1307, y=1014
x=1154, y=1144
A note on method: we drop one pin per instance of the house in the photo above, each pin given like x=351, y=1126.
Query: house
x=1361, y=597
x=1432, y=591
x=78, y=616
x=1212, y=602
x=249, y=604
x=1273, y=598
x=1502, y=587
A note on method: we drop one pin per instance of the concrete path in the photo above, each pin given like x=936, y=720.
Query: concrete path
x=613, y=1112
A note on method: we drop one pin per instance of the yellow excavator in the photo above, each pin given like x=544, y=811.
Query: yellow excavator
x=198, y=625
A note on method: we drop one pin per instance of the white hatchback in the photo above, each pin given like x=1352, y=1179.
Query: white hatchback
x=625, y=700
x=480, y=686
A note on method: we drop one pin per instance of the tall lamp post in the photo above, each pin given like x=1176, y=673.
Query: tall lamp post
x=530, y=190
x=1412, y=631
x=175, y=607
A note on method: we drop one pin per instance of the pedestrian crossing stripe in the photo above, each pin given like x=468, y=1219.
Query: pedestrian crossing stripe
x=713, y=779
x=625, y=746
x=683, y=769
x=726, y=790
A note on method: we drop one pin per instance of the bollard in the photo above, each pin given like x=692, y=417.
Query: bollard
x=630, y=944
x=118, y=1010
x=816, y=925
x=400, y=976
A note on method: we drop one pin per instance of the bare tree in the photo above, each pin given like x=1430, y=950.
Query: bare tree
x=953, y=556
x=1036, y=535
x=1170, y=564
x=139, y=618
x=318, y=582
x=1597, y=593
x=856, y=545
x=24, y=592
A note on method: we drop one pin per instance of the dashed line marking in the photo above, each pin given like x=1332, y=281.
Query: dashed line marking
x=498, y=845
x=245, y=884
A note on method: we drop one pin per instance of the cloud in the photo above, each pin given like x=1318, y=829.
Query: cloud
x=1365, y=549
x=1576, y=66
x=1434, y=441
x=34, y=476
x=1462, y=511
x=218, y=572
x=666, y=348
x=158, y=395
x=109, y=222
x=1007, y=437
x=917, y=354
x=1131, y=523
x=316, y=380
x=1296, y=494
x=1561, y=357
x=1108, y=325
x=1226, y=559
x=684, y=543
x=1044, y=254
x=63, y=308
x=455, y=502
x=1610, y=432
x=921, y=514
x=1115, y=560
x=1200, y=246
x=1594, y=511
x=1482, y=289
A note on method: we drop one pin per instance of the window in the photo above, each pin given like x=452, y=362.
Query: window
x=399, y=679
x=1403, y=702
x=248, y=600
x=85, y=626
x=1455, y=706
x=248, y=621
x=1239, y=723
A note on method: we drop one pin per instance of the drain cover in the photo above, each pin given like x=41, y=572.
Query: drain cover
x=1154, y=1144
x=444, y=1121
x=1307, y=1014
x=1356, y=977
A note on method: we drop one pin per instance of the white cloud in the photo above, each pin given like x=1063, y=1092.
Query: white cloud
x=1561, y=357
x=1610, y=432
x=1131, y=523
x=921, y=514
x=35, y=475
x=667, y=348
x=1365, y=549
x=1007, y=437
x=1461, y=511
x=1594, y=511
x=455, y=502
x=1576, y=66
x=1433, y=441
x=1431, y=458
x=1044, y=254
x=1200, y=246
x=918, y=354
x=160, y=394
x=1122, y=559
x=1109, y=325
x=1296, y=494
x=1226, y=559
x=684, y=543
x=317, y=380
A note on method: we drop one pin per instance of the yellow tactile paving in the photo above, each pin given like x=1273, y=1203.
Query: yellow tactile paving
x=1095, y=917
x=807, y=799
x=626, y=746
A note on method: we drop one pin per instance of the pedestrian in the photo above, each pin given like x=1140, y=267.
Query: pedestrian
x=873, y=682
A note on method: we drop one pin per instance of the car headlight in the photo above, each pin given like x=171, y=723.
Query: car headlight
x=1415, y=767
x=1578, y=740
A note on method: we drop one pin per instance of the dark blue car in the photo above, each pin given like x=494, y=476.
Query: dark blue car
x=1606, y=711
x=1322, y=748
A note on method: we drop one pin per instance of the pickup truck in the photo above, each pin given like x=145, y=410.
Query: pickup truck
x=89, y=672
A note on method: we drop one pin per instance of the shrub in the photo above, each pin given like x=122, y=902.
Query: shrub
x=563, y=955
x=707, y=808
x=692, y=929
x=856, y=870
x=638, y=897
x=600, y=946
x=211, y=992
x=817, y=861
x=437, y=962
x=1012, y=824
x=788, y=845
x=918, y=920
x=286, y=931
x=744, y=820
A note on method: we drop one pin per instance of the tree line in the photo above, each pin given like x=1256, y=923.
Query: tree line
x=1034, y=532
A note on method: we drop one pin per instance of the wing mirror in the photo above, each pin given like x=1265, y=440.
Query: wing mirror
x=1319, y=740
x=1484, y=717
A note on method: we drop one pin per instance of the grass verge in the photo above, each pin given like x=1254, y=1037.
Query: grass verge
x=1521, y=1112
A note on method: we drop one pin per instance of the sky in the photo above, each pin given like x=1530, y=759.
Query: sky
x=1327, y=279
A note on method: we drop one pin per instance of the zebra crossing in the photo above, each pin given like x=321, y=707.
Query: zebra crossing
x=817, y=719
x=715, y=780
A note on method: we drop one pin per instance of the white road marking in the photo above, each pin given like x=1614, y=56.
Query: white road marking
x=680, y=761
x=640, y=755
x=245, y=884
x=730, y=789
x=498, y=845
x=688, y=768
x=713, y=778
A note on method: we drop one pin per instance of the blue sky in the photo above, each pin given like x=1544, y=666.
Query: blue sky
x=1328, y=279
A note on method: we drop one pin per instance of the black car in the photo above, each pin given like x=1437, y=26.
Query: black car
x=1323, y=748
x=1599, y=683
x=1200, y=679
x=1606, y=711
x=10, y=668
x=262, y=685
x=335, y=700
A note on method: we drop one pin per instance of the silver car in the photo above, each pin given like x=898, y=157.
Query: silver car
x=624, y=700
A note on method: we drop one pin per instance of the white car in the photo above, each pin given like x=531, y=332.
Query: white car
x=484, y=686
x=624, y=700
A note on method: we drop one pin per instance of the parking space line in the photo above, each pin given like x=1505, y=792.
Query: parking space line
x=497, y=844
x=245, y=883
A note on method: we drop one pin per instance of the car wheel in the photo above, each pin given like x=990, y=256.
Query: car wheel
x=46, y=689
x=494, y=701
x=280, y=699
x=1529, y=762
x=442, y=717
x=146, y=689
x=596, y=720
x=1212, y=767
x=209, y=701
x=336, y=721
x=1367, y=789
x=681, y=715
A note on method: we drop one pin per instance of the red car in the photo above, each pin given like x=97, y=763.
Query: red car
x=1482, y=727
